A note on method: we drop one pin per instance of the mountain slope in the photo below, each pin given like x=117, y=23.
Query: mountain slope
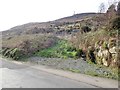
x=36, y=27
x=76, y=17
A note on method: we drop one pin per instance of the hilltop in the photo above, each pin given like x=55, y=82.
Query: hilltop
x=43, y=27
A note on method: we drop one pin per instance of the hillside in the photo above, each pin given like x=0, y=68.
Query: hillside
x=87, y=36
x=77, y=17
x=24, y=37
x=45, y=27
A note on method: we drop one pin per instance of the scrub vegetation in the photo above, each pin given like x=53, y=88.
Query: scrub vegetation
x=92, y=38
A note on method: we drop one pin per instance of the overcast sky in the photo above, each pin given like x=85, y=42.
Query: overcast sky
x=17, y=12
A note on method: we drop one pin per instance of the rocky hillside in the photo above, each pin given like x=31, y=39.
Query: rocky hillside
x=45, y=27
x=101, y=44
x=77, y=17
x=89, y=34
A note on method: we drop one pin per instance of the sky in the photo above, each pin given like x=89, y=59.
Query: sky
x=18, y=12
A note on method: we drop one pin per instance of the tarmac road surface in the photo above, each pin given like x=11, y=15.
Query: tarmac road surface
x=15, y=75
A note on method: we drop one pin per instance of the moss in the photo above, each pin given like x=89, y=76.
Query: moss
x=91, y=73
x=105, y=45
x=112, y=42
x=72, y=70
x=99, y=60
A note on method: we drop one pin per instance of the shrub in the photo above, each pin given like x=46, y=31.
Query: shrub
x=91, y=55
x=118, y=9
x=71, y=49
x=13, y=53
x=62, y=49
x=80, y=53
x=85, y=29
x=4, y=50
x=105, y=45
x=71, y=54
x=116, y=23
x=18, y=55
x=7, y=52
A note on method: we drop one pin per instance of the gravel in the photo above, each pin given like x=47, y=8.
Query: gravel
x=78, y=65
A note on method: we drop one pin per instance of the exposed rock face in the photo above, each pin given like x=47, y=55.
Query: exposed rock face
x=113, y=50
x=114, y=56
x=105, y=62
x=107, y=56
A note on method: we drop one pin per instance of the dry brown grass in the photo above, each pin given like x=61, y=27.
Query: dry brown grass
x=85, y=40
x=17, y=40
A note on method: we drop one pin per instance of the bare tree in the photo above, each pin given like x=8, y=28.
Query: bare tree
x=118, y=9
x=102, y=8
x=113, y=2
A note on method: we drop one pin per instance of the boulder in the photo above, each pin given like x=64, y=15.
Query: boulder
x=112, y=50
x=105, y=53
x=100, y=54
x=104, y=61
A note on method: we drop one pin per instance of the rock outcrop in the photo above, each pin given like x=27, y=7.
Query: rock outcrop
x=106, y=54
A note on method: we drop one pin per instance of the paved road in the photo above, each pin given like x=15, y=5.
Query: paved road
x=23, y=76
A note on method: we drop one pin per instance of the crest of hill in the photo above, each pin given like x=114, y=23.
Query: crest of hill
x=34, y=26
x=76, y=17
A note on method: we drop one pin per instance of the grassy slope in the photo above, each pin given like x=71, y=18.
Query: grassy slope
x=26, y=45
x=89, y=39
x=62, y=49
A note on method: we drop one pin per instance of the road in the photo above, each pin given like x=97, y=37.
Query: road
x=17, y=75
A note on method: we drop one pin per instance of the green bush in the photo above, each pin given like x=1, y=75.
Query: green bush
x=85, y=29
x=116, y=23
x=7, y=52
x=13, y=53
x=91, y=55
x=79, y=53
x=16, y=54
x=62, y=49
x=4, y=50
x=105, y=45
